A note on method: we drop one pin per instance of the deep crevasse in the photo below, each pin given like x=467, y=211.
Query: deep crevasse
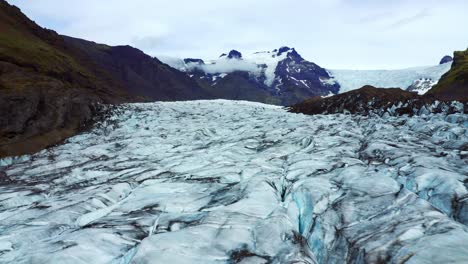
x=237, y=182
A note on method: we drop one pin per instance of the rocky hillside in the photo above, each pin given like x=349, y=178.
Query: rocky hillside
x=368, y=99
x=357, y=101
x=140, y=74
x=50, y=85
x=48, y=91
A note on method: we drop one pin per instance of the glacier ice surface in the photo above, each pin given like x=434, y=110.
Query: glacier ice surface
x=238, y=182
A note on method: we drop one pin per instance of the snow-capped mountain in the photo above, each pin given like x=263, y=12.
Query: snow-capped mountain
x=284, y=75
x=284, y=72
x=240, y=182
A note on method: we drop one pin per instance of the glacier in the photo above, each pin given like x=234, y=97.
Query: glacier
x=401, y=78
x=241, y=182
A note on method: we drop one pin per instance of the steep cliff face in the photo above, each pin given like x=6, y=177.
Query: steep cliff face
x=454, y=84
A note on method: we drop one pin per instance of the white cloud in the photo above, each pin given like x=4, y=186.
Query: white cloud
x=227, y=66
x=332, y=33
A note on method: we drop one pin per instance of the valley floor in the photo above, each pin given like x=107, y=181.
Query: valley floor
x=237, y=182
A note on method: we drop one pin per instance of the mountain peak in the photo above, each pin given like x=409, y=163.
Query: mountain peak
x=446, y=59
x=283, y=50
x=291, y=53
x=234, y=54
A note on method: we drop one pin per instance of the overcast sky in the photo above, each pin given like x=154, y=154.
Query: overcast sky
x=352, y=34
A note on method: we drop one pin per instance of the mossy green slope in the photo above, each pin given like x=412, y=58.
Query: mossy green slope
x=454, y=84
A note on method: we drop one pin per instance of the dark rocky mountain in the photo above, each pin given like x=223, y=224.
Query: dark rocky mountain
x=446, y=59
x=454, y=84
x=299, y=76
x=281, y=76
x=140, y=74
x=51, y=86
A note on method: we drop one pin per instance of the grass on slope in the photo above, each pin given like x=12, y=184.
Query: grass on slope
x=454, y=84
x=20, y=46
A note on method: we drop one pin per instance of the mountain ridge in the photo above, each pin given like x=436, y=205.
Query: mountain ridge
x=282, y=73
x=51, y=88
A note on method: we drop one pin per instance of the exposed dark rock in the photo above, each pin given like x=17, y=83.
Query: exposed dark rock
x=282, y=50
x=294, y=56
x=41, y=117
x=234, y=54
x=446, y=59
x=197, y=61
x=299, y=79
x=242, y=254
